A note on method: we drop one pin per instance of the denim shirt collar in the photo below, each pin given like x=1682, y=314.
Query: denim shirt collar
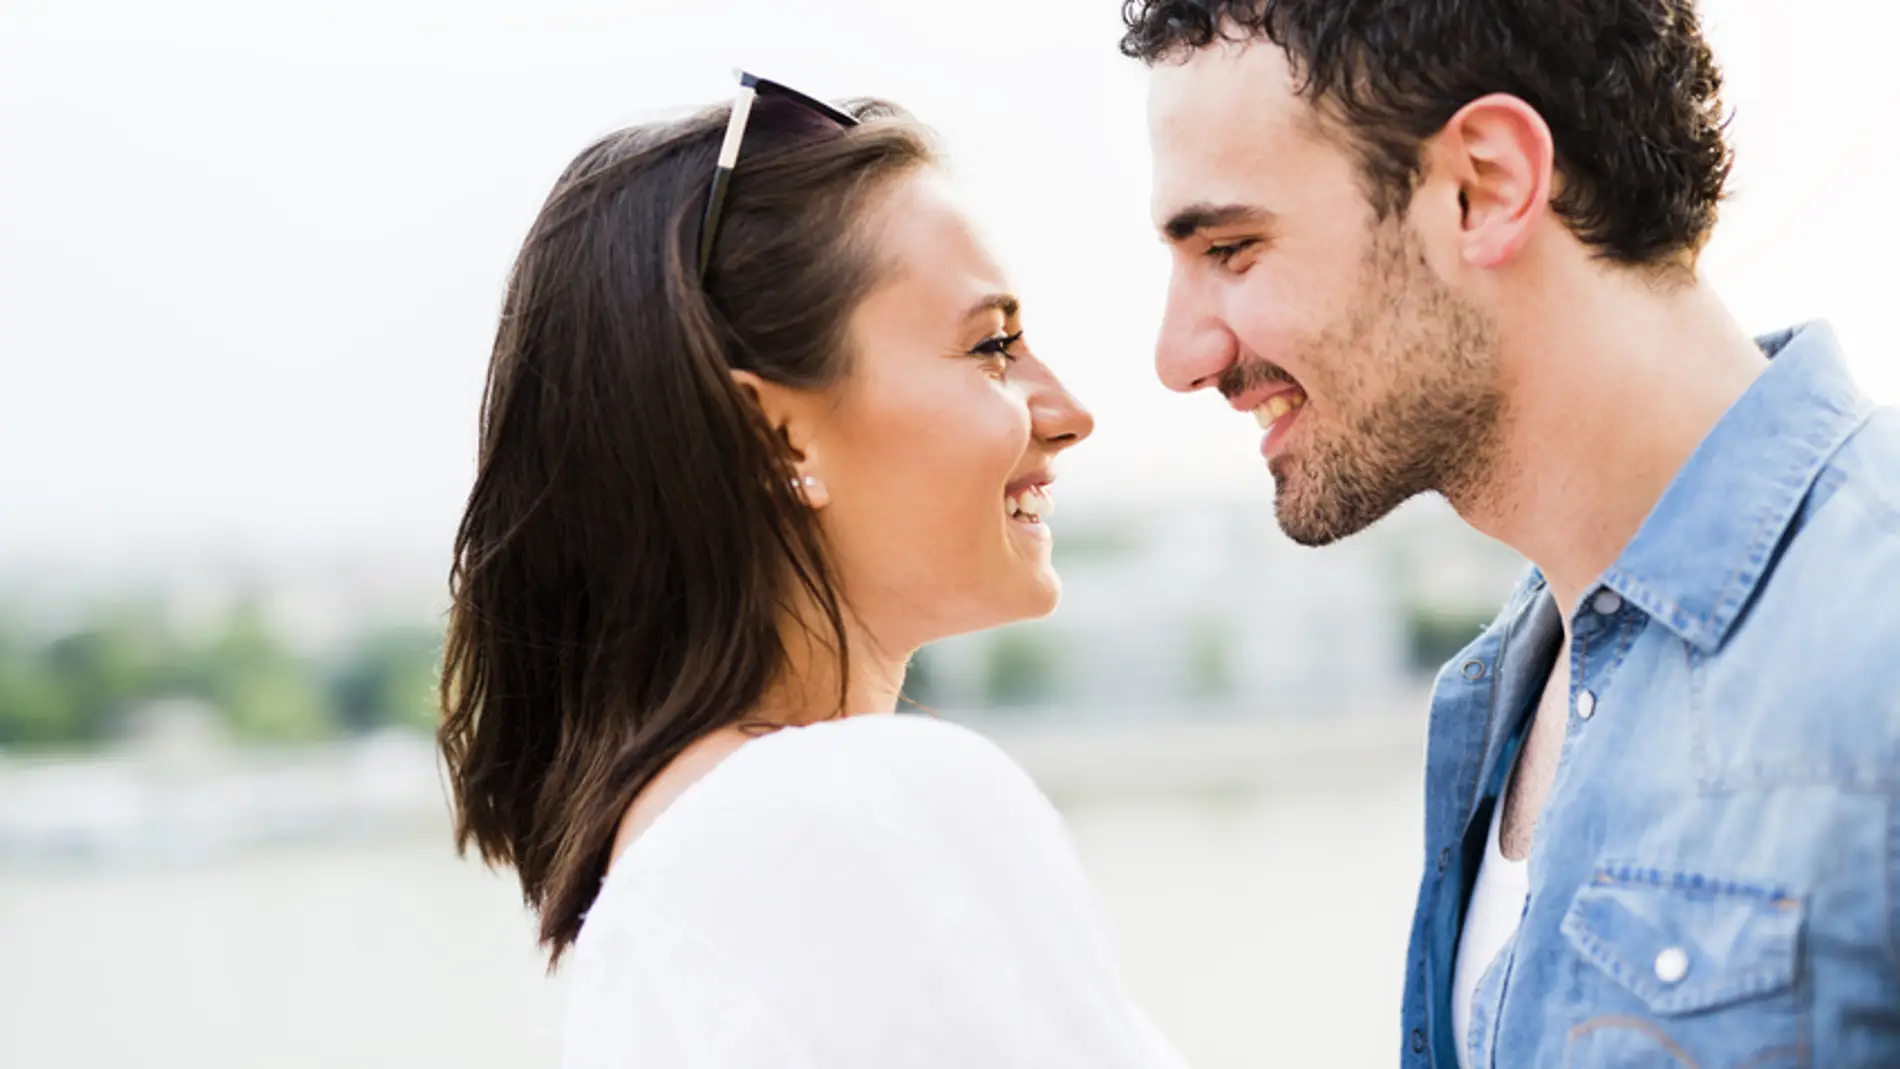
x=1711, y=538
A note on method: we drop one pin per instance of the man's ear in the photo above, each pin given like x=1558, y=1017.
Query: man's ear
x=1498, y=153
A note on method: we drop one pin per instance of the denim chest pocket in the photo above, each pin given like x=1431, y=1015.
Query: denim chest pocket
x=1679, y=969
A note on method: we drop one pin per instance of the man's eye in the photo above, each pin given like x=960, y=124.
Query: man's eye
x=1223, y=254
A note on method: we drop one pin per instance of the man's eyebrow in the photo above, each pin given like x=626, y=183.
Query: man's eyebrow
x=1195, y=218
x=997, y=302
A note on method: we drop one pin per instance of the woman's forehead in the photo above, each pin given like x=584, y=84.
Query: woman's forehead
x=931, y=249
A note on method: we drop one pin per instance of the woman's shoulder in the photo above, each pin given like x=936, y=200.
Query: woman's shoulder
x=878, y=788
x=923, y=738
x=866, y=751
x=905, y=769
x=872, y=830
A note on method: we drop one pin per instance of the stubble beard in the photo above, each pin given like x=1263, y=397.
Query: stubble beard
x=1416, y=405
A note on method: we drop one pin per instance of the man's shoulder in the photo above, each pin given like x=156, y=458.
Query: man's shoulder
x=1838, y=572
x=1813, y=666
x=1865, y=473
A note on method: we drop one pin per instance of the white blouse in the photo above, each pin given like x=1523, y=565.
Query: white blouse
x=876, y=892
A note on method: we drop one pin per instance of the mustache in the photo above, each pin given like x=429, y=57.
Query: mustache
x=1251, y=374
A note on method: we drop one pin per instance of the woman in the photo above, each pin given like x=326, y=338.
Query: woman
x=761, y=421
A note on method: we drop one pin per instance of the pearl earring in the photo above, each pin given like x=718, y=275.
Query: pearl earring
x=809, y=490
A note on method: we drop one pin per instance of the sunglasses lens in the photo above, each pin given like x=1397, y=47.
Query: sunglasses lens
x=781, y=120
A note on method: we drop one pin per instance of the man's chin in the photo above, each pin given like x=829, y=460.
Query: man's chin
x=1307, y=516
x=1293, y=507
x=1299, y=529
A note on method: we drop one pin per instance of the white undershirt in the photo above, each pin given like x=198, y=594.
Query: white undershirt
x=1491, y=919
x=880, y=892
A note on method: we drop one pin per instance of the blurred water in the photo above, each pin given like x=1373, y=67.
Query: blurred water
x=1261, y=922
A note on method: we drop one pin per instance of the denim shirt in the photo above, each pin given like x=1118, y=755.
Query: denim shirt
x=1715, y=879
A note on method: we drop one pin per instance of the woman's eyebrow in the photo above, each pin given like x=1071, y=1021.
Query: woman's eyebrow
x=995, y=302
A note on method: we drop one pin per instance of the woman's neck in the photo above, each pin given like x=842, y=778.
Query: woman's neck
x=808, y=688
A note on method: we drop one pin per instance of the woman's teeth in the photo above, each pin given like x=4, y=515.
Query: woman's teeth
x=1278, y=405
x=1030, y=505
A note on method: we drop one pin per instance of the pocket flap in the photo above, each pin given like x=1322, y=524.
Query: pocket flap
x=1683, y=942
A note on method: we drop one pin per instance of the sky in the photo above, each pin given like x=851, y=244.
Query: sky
x=251, y=253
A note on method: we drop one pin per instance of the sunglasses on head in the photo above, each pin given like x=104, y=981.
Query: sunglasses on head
x=770, y=111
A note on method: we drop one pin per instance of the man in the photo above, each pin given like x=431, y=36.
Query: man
x=1451, y=247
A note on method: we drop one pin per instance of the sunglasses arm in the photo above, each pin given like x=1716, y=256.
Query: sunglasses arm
x=722, y=174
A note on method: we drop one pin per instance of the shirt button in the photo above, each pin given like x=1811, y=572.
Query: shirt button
x=1672, y=965
x=1607, y=603
x=1474, y=670
x=1418, y=1041
x=1444, y=859
x=1586, y=705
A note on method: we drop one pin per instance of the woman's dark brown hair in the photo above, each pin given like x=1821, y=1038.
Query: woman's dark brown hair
x=633, y=544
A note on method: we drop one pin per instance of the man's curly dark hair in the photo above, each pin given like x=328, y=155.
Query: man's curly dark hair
x=1629, y=89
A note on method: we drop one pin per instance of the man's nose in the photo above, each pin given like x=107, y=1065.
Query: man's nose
x=1193, y=348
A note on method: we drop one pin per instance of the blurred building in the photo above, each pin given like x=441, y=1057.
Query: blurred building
x=1207, y=605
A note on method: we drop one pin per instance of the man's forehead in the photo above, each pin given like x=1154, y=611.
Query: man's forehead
x=1225, y=81
x=1220, y=125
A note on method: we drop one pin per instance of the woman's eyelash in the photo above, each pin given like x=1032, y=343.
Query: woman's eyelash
x=998, y=346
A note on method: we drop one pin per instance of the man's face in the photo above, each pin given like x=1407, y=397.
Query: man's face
x=1377, y=381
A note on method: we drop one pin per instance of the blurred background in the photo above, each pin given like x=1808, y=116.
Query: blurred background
x=250, y=259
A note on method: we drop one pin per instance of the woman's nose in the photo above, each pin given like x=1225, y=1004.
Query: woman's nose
x=1057, y=418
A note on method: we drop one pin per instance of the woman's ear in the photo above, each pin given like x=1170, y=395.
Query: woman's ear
x=778, y=404
x=789, y=413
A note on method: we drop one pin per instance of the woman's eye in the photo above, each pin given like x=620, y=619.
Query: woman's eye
x=998, y=345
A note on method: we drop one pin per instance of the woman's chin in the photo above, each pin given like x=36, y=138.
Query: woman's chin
x=1029, y=596
x=1042, y=593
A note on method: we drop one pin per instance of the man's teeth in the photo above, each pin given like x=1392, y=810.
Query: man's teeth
x=1278, y=405
x=1032, y=504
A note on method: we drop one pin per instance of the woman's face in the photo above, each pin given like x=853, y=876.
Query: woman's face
x=935, y=451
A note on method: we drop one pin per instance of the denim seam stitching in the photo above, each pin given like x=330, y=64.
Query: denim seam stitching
x=1708, y=776
x=1777, y=515
x=1893, y=881
x=1751, y=982
x=1620, y=873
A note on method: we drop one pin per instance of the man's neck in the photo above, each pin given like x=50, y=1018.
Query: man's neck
x=1609, y=391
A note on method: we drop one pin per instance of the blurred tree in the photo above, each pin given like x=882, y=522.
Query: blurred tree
x=389, y=680
x=1021, y=667
x=1435, y=634
x=36, y=708
x=1210, y=658
x=269, y=694
x=105, y=668
x=78, y=688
